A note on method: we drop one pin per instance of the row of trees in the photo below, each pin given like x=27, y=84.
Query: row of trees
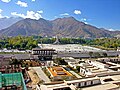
x=106, y=43
x=22, y=42
x=18, y=42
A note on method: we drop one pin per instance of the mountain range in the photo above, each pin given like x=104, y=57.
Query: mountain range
x=64, y=27
x=6, y=22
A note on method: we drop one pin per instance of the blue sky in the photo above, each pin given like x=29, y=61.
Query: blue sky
x=100, y=13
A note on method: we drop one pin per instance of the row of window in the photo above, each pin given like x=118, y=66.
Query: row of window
x=87, y=83
x=43, y=52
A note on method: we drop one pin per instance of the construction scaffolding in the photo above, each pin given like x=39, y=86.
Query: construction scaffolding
x=12, y=79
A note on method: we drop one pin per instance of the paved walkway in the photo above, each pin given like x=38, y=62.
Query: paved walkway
x=41, y=74
x=78, y=76
x=71, y=71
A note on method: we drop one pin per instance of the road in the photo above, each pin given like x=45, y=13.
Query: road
x=41, y=74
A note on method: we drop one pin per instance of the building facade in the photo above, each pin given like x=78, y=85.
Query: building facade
x=45, y=56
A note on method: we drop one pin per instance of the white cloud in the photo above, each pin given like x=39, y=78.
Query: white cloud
x=110, y=29
x=33, y=0
x=83, y=19
x=64, y=14
x=22, y=4
x=30, y=14
x=77, y=12
x=1, y=16
x=33, y=15
x=1, y=10
x=6, y=1
x=18, y=14
x=55, y=17
x=86, y=22
x=40, y=11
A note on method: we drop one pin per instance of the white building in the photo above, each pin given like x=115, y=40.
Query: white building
x=70, y=85
x=59, y=86
x=94, y=68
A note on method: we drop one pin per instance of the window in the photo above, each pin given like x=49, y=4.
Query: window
x=82, y=84
x=88, y=83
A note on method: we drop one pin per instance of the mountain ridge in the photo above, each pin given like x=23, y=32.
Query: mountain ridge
x=65, y=27
x=6, y=22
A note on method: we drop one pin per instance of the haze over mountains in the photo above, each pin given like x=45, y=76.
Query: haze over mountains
x=6, y=22
x=65, y=27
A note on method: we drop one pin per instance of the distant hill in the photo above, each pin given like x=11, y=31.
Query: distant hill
x=65, y=27
x=6, y=22
x=28, y=27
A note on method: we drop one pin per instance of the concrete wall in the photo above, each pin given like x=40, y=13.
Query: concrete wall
x=86, y=83
x=86, y=54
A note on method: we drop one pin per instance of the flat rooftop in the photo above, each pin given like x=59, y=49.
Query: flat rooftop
x=59, y=71
x=62, y=86
x=94, y=69
x=83, y=79
x=102, y=87
x=114, y=79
